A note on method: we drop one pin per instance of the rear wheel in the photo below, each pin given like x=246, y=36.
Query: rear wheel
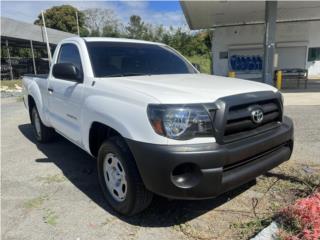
x=119, y=178
x=42, y=133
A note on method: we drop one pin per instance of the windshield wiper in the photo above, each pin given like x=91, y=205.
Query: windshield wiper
x=114, y=75
x=134, y=74
x=126, y=74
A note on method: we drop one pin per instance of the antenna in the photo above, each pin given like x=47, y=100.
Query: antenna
x=77, y=23
x=47, y=40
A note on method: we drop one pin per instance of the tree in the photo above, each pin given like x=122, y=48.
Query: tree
x=137, y=29
x=111, y=31
x=102, y=22
x=94, y=33
x=64, y=18
x=158, y=33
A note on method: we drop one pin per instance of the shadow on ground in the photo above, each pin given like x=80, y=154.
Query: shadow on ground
x=80, y=169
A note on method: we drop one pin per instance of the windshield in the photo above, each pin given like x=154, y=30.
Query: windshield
x=116, y=59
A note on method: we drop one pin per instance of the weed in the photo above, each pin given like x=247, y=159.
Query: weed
x=191, y=232
x=10, y=84
x=35, y=202
x=280, y=188
x=57, y=178
x=252, y=227
x=50, y=217
x=302, y=219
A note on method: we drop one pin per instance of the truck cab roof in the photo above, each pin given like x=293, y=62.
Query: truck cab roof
x=110, y=39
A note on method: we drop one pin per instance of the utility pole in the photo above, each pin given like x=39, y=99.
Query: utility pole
x=78, y=23
x=9, y=58
x=33, y=60
x=269, y=40
x=47, y=40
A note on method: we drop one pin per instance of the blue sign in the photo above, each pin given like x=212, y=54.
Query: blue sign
x=240, y=63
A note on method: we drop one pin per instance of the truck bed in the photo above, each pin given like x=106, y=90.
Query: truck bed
x=37, y=75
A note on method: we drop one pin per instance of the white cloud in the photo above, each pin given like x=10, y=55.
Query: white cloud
x=135, y=4
x=174, y=19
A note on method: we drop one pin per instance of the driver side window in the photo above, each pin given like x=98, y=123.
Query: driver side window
x=69, y=53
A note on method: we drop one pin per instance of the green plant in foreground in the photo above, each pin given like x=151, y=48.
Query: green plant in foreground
x=252, y=227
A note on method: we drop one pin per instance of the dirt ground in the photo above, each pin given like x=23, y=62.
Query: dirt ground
x=51, y=191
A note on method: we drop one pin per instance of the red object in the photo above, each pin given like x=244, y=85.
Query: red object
x=307, y=212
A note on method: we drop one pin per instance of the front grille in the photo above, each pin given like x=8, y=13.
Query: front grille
x=239, y=122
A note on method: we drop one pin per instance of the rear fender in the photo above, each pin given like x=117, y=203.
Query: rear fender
x=33, y=90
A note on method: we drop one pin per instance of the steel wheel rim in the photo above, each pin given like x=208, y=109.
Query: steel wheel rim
x=115, y=177
x=37, y=124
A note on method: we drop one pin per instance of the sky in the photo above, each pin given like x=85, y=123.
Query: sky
x=167, y=13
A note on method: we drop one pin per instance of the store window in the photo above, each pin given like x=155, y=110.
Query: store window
x=314, y=54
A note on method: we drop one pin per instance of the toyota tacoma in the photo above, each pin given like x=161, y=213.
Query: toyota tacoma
x=155, y=124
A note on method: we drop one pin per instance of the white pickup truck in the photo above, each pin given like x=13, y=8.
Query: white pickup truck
x=154, y=123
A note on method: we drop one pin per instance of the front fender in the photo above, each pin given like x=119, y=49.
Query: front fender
x=128, y=118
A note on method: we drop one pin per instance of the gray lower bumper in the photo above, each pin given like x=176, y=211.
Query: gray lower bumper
x=221, y=167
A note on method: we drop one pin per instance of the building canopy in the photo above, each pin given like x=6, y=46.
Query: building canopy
x=211, y=14
x=20, y=33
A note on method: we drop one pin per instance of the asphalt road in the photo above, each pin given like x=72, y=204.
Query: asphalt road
x=51, y=191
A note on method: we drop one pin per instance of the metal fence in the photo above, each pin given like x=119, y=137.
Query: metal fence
x=21, y=66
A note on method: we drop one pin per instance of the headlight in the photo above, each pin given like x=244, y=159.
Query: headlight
x=180, y=122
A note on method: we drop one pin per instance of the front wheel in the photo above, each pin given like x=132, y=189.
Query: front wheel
x=41, y=132
x=119, y=178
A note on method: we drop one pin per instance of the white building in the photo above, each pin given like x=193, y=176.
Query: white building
x=253, y=38
x=240, y=48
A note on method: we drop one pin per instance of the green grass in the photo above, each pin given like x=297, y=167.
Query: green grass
x=11, y=83
x=252, y=227
x=57, y=178
x=35, y=202
x=50, y=217
x=203, y=61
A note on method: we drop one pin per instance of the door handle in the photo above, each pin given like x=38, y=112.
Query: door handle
x=50, y=90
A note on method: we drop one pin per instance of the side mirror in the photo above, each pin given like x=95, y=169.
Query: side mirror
x=67, y=71
x=197, y=66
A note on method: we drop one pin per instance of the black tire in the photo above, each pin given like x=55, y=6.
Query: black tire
x=137, y=196
x=46, y=134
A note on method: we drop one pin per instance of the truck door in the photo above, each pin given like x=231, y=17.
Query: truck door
x=65, y=97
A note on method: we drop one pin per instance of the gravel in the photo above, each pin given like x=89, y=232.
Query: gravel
x=8, y=94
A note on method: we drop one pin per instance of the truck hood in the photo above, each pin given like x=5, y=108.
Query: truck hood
x=189, y=88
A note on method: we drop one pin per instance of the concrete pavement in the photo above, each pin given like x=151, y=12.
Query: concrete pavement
x=51, y=191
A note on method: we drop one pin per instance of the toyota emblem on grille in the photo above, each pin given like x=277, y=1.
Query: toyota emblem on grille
x=257, y=116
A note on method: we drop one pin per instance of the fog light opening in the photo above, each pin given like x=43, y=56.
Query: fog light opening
x=186, y=175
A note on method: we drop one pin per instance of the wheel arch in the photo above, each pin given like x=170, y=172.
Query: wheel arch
x=98, y=133
x=31, y=104
x=34, y=95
